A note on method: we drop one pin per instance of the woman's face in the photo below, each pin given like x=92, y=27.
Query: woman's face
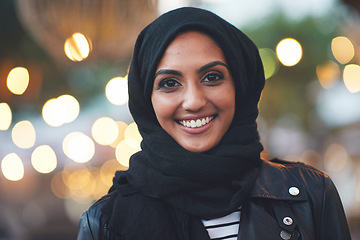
x=193, y=94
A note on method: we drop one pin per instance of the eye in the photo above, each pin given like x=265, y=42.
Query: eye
x=168, y=83
x=213, y=77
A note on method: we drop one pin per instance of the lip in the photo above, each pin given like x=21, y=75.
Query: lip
x=196, y=130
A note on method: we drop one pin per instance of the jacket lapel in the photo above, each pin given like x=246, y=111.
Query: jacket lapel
x=255, y=223
x=272, y=184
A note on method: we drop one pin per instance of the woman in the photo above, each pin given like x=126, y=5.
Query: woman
x=194, y=85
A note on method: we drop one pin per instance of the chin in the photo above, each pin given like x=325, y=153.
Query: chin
x=198, y=149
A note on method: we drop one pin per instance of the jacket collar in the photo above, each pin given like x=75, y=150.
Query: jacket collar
x=273, y=183
x=276, y=181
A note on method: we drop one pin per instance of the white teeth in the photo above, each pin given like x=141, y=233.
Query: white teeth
x=196, y=123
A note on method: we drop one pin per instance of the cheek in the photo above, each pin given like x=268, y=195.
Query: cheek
x=225, y=101
x=164, y=108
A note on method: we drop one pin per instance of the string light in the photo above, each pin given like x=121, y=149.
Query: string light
x=61, y=110
x=132, y=136
x=23, y=134
x=105, y=131
x=78, y=147
x=270, y=63
x=328, y=74
x=5, y=116
x=342, y=49
x=43, y=159
x=116, y=91
x=351, y=77
x=77, y=47
x=18, y=80
x=12, y=167
x=289, y=52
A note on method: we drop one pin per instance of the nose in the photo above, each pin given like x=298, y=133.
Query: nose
x=194, y=98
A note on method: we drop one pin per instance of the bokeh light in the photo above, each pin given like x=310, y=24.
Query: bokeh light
x=342, y=49
x=5, y=116
x=77, y=47
x=78, y=147
x=335, y=158
x=121, y=133
x=108, y=169
x=116, y=91
x=58, y=186
x=132, y=136
x=328, y=74
x=124, y=151
x=12, y=167
x=105, y=131
x=72, y=108
x=289, y=52
x=43, y=159
x=270, y=62
x=18, y=80
x=61, y=110
x=23, y=134
x=81, y=184
x=52, y=112
x=351, y=77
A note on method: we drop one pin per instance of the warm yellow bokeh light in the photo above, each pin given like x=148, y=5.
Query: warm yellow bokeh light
x=124, y=151
x=351, y=77
x=107, y=171
x=289, y=52
x=43, y=159
x=77, y=47
x=342, y=49
x=100, y=188
x=270, y=62
x=121, y=133
x=12, y=167
x=61, y=110
x=104, y=131
x=132, y=136
x=335, y=158
x=5, y=116
x=72, y=107
x=23, y=134
x=116, y=91
x=52, y=112
x=58, y=186
x=81, y=184
x=328, y=74
x=18, y=80
x=78, y=147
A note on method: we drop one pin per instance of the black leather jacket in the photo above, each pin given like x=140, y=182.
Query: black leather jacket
x=289, y=201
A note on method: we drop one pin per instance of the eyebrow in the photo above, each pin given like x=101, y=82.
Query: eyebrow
x=210, y=65
x=167, y=71
x=201, y=69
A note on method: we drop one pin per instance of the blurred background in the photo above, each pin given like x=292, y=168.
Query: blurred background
x=65, y=127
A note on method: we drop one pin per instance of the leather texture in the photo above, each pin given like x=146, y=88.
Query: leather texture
x=312, y=212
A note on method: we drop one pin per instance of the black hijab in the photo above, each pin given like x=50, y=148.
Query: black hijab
x=190, y=185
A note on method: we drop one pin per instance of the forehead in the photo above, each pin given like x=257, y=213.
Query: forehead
x=192, y=46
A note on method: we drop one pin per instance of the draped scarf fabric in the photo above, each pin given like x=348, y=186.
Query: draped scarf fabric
x=190, y=185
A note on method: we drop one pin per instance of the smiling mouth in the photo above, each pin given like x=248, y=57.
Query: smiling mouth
x=196, y=123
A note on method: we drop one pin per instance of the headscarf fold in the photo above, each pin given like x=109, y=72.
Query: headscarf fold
x=204, y=185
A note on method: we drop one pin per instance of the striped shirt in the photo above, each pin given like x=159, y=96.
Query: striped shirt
x=225, y=227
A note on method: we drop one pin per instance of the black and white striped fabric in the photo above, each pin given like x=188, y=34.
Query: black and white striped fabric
x=225, y=227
